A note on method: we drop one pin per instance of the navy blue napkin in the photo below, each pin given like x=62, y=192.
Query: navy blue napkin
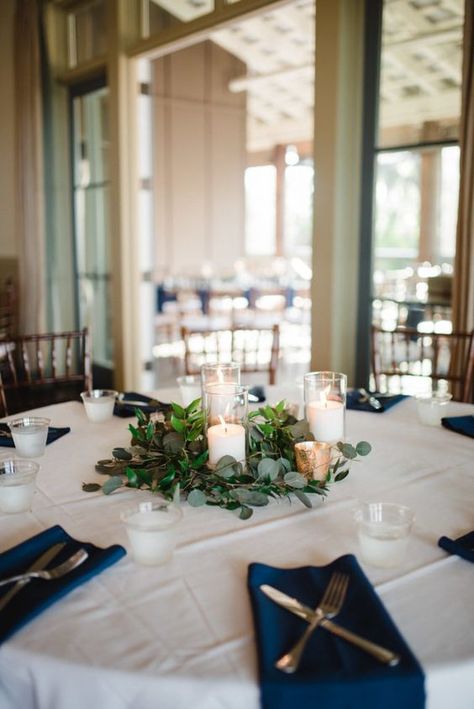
x=460, y=424
x=6, y=439
x=333, y=674
x=125, y=411
x=37, y=595
x=462, y=546
x=258, y=392
x=353, y=402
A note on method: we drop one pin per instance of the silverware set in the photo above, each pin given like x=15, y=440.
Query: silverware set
x=330, y=605
x=39, y=570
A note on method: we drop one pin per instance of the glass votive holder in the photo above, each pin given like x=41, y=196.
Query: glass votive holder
x=432, y=407
x=325, y=405
x=151, y=528
x=219, y=373
x=313, y=459
x=383, y=530
x=17, y=484
x=189, y=388
x=226, y=408
x=99, y=404
x=29, y=435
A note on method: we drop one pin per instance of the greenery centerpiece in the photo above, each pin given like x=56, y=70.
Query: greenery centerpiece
x=168, y=455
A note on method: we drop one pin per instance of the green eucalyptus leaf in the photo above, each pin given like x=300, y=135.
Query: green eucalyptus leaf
x=197, y=498
x=303, y=498
x=122, y=454
x=268, y=468
x=266, y=428
x=294, y=479
x=245, y=512
x=340, y=476
x=112, y=484
x=91, y=487
x=363, y=448
x=255, y=434
x=347, y=450
x=285, y=465
x=250, y=497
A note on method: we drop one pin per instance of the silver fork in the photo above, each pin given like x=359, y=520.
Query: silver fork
x=48, y=574
x=329, y=606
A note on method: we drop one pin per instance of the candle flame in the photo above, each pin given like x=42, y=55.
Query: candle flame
x=323, y=396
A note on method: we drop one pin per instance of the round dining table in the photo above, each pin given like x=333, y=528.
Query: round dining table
x=181, y=635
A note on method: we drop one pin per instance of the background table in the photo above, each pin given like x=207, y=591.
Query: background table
x=181, y=635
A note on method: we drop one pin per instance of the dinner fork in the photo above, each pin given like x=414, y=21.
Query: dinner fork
x=48, y=574
x=329, y=606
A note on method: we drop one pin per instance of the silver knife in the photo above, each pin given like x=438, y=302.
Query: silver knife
x=40, y=563
x=307, y=613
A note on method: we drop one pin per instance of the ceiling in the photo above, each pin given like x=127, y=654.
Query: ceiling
x=421, y=65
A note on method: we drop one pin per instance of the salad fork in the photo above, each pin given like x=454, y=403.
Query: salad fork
x=329, y=606
x=48, y=574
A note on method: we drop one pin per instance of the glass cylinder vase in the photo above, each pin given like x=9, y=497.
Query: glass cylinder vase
x=219, y=373
x=325, y=405
x=226, y=408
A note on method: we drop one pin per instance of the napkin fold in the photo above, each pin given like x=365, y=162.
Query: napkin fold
x=333, y=673
x=353, y=402
x=259, y=392
x=37, y=594
x=6, y=439
x=462, y=546
x=125, y=411
x=460, y=424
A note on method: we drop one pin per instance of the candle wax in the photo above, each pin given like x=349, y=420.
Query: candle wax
x=226, y=439
x=326, y=420
x=16, y=496
x=99, y=410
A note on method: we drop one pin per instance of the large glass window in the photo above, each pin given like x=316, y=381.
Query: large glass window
x=91, y=185
x=260, y=191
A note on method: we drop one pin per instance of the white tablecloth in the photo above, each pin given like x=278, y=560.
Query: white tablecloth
x=181, y=635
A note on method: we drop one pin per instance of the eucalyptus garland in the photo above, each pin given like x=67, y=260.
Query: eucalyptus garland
x=168, y=455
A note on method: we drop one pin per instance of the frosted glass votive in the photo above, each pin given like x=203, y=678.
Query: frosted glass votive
x=151, y=529
x=432, y=407
x=29, y=435
x=17, y=484
x=383, y=531
x=99, y=404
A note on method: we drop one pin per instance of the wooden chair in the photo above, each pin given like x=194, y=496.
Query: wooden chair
x=255, y=349
x=8, y=306
x=42, y=369
x=407, y=352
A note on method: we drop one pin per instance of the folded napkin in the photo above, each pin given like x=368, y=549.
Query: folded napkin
x=353, y=402
x=460, y=424
x=333, y=673
x=7, y=440
x=462, y=546
x=258, y=392
x=37, y=595
x=125, y=411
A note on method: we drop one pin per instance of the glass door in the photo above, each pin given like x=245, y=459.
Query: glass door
x=91, y=186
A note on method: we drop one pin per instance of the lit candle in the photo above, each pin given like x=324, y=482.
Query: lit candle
x=226, y=439
x=326, y=418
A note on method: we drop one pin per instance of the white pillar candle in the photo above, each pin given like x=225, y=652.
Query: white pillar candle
x=99, y=404
x=226, y=439
x=326, y=419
